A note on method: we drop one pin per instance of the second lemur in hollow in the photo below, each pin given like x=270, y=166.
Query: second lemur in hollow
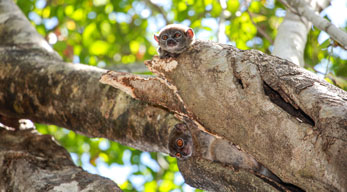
x=182, y=141
x=173, y=40
x=186, y=138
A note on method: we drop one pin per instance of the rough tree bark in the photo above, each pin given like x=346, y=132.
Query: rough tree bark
x=33, y=162
x=288, y=119
x=36, y=84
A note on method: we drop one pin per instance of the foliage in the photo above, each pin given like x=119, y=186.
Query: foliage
x=105, y=33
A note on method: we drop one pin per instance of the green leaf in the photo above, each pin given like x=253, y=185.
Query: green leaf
x=99, y=48
x=78, y=15
x=87, y=33
x=233, y=6
x=150, y=186
x=325, y=44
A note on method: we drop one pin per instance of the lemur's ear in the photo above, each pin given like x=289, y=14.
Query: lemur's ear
x=190, y=33
x=156, y=37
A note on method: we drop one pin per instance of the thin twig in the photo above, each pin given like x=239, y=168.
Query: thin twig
x=158, y=9
x=261, y=31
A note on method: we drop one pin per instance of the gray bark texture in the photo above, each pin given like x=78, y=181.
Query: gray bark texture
x=32, y=162
x=285, y=117
x=36, y=84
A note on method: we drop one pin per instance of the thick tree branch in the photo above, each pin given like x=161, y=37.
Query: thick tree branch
x=33, y=162
x=294, y=114
x=12, y=31
x=70, y=95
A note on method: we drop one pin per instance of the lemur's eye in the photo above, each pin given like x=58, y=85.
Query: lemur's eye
x=164, y=37
x=177, y=35
x=178, y=155
x=179, y=142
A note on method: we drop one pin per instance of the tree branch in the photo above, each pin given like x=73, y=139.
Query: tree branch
x=222, y=88
x=291, y=38
x=13, y=32
x=260, y=30
x=148, y=89
x=244, y=97
x=70, y=95
x=303, y=9
x=137, y=67
x=159, y=9
x=34, y=162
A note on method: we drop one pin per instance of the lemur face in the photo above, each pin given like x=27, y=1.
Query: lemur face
x=180, y=142
x=175, y=38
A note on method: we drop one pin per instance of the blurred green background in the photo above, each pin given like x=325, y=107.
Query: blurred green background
x=110, y=34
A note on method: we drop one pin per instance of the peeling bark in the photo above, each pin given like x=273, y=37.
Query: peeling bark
x=148, y=89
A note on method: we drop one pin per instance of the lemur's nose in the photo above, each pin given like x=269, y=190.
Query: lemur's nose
x=171, y=42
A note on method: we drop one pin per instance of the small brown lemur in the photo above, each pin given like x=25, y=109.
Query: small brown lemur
x=182, y=142
x=173, y=40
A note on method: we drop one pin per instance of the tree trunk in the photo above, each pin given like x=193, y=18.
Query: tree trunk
x=286, y=117
x=289, y=120
x=291, y=39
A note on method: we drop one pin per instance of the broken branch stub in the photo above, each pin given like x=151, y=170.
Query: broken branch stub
x=152, y=90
